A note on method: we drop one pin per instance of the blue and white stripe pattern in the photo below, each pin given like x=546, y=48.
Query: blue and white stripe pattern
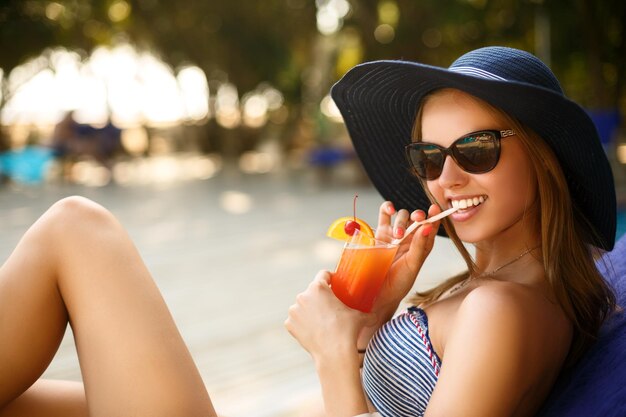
x=400, y=368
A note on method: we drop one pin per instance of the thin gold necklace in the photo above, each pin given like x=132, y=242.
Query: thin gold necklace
x=491, y=273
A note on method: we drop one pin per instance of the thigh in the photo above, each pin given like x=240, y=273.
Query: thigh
x=33, y=320
x=128, y=344
x=49, y=399
x=132, y=357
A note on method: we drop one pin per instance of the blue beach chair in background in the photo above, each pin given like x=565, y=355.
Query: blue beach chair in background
x=596, y=386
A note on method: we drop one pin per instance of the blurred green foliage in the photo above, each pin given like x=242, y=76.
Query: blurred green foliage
x=251, y=41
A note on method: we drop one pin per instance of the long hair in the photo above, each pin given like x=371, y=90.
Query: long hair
x=568, y=259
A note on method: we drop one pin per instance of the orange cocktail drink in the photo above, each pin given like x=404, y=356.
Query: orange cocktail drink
x=361, y=271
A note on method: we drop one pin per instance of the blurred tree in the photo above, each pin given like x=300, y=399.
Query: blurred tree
x=246, y=42
x=28, y=27
x=589, y=49
x=583, y=41
x=277, y=41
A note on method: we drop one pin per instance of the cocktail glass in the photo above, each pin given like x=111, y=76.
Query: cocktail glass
x=361, y=271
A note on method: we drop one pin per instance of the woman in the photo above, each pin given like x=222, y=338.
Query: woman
x=76, y=264
x=495, y=136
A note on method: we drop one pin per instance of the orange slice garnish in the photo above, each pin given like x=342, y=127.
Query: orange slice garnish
x=337, y=228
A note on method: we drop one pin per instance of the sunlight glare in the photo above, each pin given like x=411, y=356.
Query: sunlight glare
x=330, y=14
x=92, y=108
x=161, y=97
x=90, y=174
x=330, y=109
x=255, y=162
x=67, y=71
x=621, y=153
x=227, y=111
x=235, y=202
x=255, y=110
x=54, y=10
x=137, y=89
x=118, y=11
x=135, y=140
x=33, y=100
x=273, y=97
x=327, y=21
x=194, y=93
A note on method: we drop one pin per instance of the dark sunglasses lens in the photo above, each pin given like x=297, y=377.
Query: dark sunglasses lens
x=427, y=160
x=477, y=153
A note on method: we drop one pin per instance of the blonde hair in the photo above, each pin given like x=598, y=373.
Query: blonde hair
x=568, y=260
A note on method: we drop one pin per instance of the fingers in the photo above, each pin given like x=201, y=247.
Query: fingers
x=429, y=227
x=400, y=223
x=323, y=277
x=386, y=229
x=418, y=215
x=433, y=210
x=321, y=282
x=318, y=318
x=385, y=212
x=424, y=238
x=403, y=218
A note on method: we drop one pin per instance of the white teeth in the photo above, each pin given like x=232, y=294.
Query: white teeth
x=468, y=202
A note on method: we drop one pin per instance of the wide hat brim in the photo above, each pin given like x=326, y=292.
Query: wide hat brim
x=379, y=100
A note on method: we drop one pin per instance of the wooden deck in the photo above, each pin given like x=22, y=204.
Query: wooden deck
x=229, y=254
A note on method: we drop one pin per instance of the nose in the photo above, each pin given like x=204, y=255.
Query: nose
x=452, y=175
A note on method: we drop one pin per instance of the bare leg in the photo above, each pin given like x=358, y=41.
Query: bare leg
x=77, y=263
x=49, y=399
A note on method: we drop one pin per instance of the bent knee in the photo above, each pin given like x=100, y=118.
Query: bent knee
x=78, y=213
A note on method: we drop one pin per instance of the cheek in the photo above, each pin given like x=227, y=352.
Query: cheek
x=519, y=191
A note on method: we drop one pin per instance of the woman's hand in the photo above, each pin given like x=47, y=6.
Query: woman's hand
x=322, y=324
x=410, y=256
x=328, y=330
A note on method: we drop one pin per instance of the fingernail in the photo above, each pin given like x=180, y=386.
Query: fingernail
x=426, y=230
x=392, y=209
x=399, y=232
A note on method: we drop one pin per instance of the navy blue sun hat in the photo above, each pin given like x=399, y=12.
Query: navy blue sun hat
x=379, y=100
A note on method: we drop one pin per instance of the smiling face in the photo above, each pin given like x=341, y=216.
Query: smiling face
x=496, y=205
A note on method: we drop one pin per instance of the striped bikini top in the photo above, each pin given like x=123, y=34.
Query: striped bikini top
x=401, y=368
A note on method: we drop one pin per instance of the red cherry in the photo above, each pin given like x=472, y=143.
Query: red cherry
x=350, y=227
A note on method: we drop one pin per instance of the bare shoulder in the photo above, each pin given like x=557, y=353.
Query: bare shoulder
x=508, y=302
x=503, y=351
x=500, y=299
x=515, y=324
x=495, y=313
x=510, y=310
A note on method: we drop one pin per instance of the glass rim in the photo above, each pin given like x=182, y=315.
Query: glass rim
x=378, y=243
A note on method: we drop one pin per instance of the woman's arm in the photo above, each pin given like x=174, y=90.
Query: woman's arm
x=340, y=379
x=333, y=333
x=328, y=330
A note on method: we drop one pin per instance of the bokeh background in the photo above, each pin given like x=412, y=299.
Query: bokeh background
x=207, y=129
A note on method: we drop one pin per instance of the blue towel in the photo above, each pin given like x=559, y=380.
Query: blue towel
x=28, y=165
